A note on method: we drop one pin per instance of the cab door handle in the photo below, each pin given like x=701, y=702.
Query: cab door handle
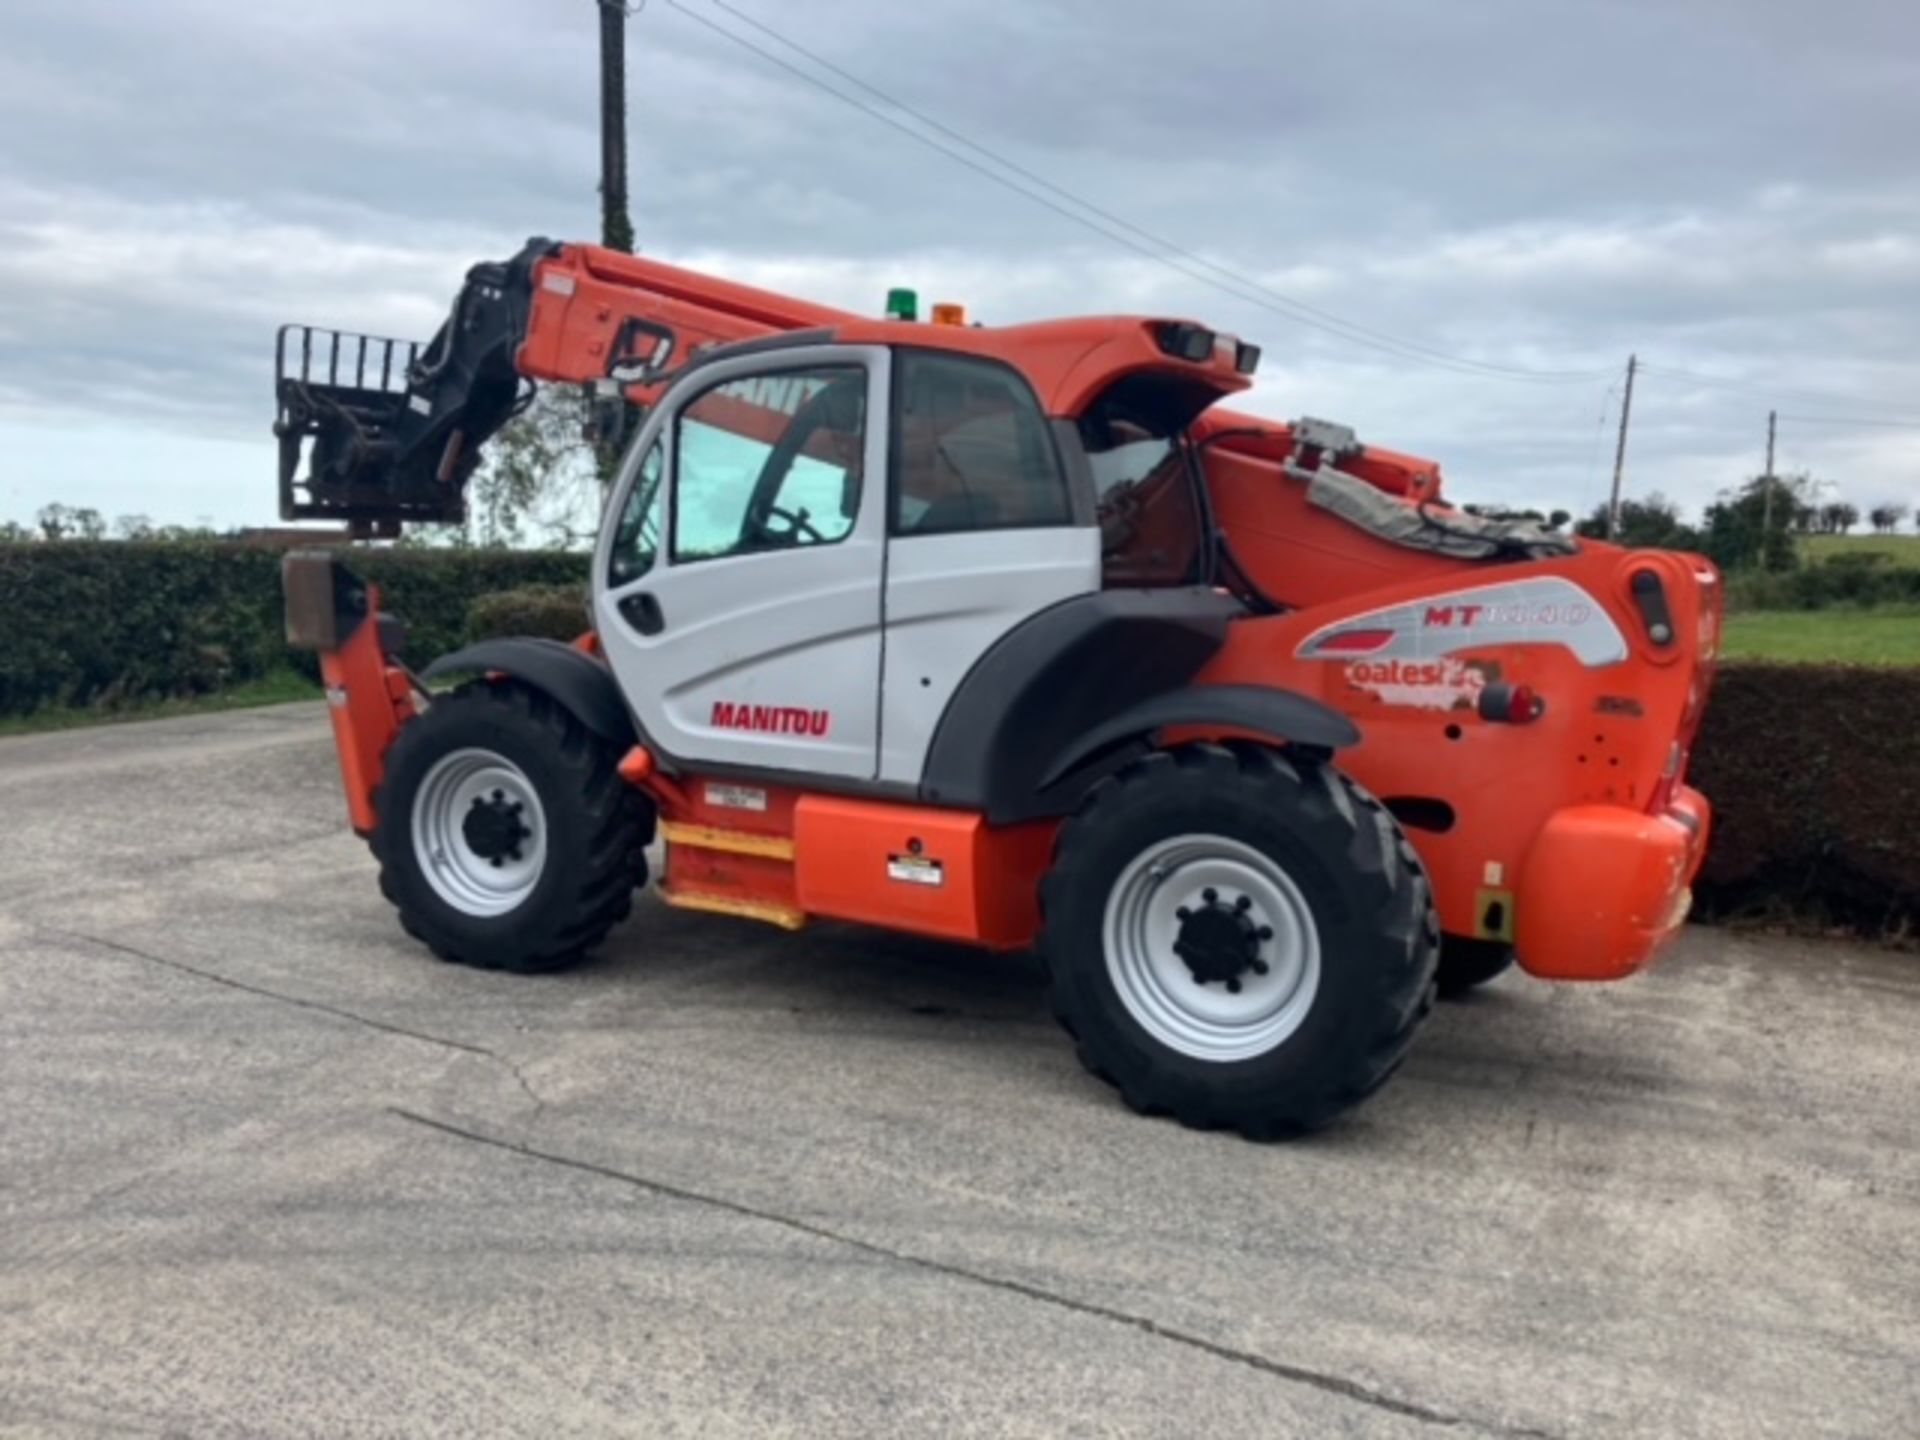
x=643, y=612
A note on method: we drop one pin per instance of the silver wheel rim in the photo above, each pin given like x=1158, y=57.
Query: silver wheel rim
x=1207, y=1021
x=470, y=882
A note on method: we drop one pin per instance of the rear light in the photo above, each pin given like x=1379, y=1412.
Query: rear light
x=1511, y=704
x=1650, y=596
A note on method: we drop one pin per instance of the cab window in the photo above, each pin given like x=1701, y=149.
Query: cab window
x=636, y=538
x=1144, y=496
x=971, y=449
x=769, y=462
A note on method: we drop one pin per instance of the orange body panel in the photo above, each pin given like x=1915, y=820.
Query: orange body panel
x=1485, y=794
x=934, y=872
x=776, y=850
x=1603, y=887
x=583, y=295
x=368, y=700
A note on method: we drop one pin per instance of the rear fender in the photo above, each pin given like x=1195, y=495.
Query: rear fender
x=1283, y=715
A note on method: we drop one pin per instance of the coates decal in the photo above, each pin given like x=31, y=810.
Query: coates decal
x=770, y=719
x=1445, y=684
x=1544, y=610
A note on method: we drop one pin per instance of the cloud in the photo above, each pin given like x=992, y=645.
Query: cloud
x=1724, y=188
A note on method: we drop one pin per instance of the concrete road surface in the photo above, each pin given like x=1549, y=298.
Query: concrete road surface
x=267, y=1168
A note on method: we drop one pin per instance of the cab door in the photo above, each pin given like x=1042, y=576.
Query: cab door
x=738, y=589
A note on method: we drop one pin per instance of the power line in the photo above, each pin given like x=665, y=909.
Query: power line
x=1115, y=228
x=1351, y=329
x=1759, y=391
x=1852, y=420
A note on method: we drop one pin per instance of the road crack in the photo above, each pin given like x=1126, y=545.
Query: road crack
x=1300, y=1375
x=300, y=1002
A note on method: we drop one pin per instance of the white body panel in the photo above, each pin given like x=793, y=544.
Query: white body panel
x=795, y=636
x=792, y=635
x=949, y=597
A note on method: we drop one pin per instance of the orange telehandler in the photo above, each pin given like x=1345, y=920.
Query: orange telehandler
x=1013, y=636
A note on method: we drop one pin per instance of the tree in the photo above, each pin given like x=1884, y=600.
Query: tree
x=541, y=481
x=64, y=522
x=133, y=527
x=1738, y=532
x=1885, y=518
x=1837, y=517
x=1653, y=523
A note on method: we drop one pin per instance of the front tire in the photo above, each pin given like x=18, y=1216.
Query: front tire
x=1238, y=940
x=506, y=838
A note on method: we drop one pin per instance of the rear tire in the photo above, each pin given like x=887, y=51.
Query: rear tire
x=1467, y=964
x=505, y=836
x=1237, y=939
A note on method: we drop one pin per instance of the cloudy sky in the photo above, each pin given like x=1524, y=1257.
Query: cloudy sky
x=1728, y=187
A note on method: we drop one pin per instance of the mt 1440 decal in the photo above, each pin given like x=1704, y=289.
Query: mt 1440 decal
x=1544, y=610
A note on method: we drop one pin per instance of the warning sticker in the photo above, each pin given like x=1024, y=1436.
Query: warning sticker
x=916, y=870
x=736, y=797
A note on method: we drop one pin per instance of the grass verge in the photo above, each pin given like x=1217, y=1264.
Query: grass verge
x=274, y=689
x=1889, y=635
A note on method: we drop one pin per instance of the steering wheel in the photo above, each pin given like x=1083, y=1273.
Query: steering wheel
x=799, y=530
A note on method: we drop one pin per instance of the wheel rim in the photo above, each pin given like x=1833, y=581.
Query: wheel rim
x=480, y=832
x=1197, y=893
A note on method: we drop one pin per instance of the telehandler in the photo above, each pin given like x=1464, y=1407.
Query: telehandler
x=1013, y=636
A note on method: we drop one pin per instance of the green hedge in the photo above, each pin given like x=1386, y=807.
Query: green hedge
x=1814, y=771
x=557, y=612
x=1814, y=775
x=105, y=623
x=1858, y=579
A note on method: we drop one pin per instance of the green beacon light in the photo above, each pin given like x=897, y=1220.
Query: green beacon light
x=902, y=304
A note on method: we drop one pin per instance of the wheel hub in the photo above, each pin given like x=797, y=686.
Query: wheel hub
x=1220, y=942
x=1211, y=947
x=493, y=828
x=479, y=832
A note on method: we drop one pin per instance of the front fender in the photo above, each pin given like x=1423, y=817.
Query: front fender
x=580, y=682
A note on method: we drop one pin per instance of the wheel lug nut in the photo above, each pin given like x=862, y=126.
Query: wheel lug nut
x=1209, y=895
x=1265, y=932
x=1233, y=987
x=496, y=862
x=1244, y=903
x=1260, y=967
x=1182, y=913
x=499, y=795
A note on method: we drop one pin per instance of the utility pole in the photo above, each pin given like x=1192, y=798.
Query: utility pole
x=1766, y=505
x=1620, y=451
x=616, y=224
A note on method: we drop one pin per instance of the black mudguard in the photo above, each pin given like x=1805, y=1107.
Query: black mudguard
x=580, y=682
x=1280, y=714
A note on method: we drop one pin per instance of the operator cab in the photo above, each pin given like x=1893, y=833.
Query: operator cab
x=826, y=537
